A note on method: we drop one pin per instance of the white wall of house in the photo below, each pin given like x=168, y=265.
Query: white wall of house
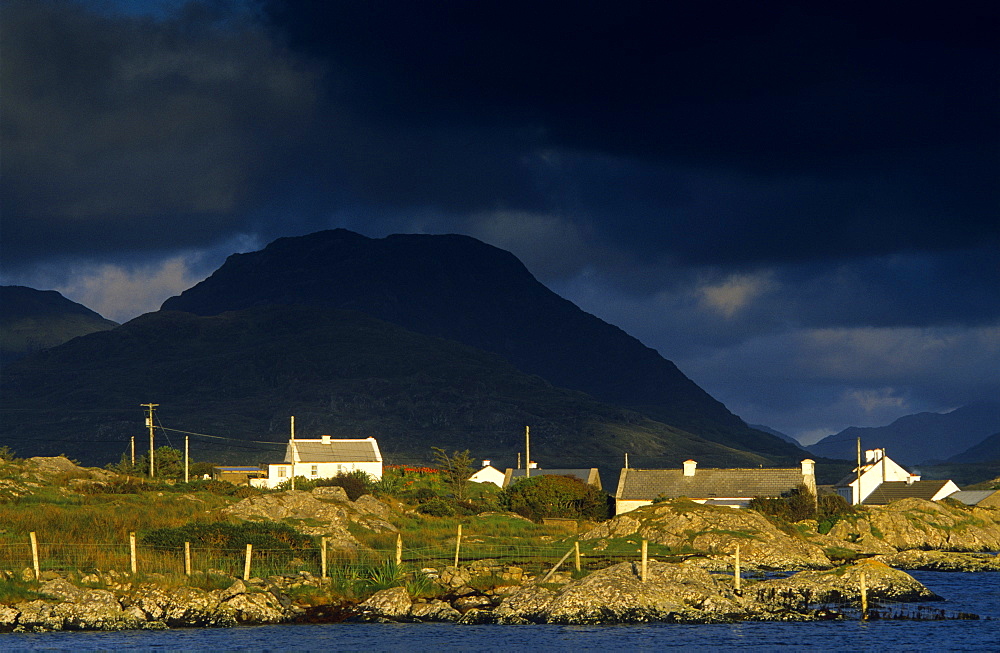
x=949, y=489
x=281, y=472
x=488, y=474
x=882, y=469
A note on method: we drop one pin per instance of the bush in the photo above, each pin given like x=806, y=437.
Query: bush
x=355, y=484
x=437, y=508
x=792, y=506
x=554, y=496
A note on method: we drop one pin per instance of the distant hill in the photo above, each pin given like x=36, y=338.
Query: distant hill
x=240, y=375
x=920, y=438
x=986, y=451
x=778, y=434
x=32, y=320
x=461, y=289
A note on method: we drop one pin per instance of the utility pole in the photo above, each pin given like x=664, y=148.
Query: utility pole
x=291, y=447
x=186, y=458
x=527, y=452
x=857, y=495
x=149, y=423
x=626, y=460
x=132, y=448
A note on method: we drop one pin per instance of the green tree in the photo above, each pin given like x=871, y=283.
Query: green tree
x=167, y=461
x=555, y=496
x=455, y=470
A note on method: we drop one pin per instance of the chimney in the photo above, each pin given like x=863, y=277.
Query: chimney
x=486, y=463
x=809, y=476
x=532, y=465
x=689, y=466
x=325, y=438
x=873, y=455
x=912, y=478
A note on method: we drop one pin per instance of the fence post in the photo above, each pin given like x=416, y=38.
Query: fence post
x=132, y=553
x=458, y=544
x=187, y=558
x=645, y=558
x=557, y=565
x=399, y=549
x=322, y=558
x=576, y=550
x=246, y=563
x=864, y=598
x=34, y=555
x=736, y=570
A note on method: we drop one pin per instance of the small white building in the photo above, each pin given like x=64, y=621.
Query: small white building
x=488, y=474
x=324, y=458
x=876, y=469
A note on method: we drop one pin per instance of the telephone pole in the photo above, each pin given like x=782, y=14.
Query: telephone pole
x=527, y=452
x=149, y=423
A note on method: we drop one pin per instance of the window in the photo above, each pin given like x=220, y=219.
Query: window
x=315, y=470
x=281, y=472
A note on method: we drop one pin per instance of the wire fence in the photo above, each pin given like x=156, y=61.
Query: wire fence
x=17, y=556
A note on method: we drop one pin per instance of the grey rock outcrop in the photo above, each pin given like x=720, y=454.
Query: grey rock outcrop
x=941, y=561
x=327, y=505
x=716, y=530
x=143, y=606
x=842, y=584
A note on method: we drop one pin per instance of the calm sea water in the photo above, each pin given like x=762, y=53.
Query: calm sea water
x=975, y=593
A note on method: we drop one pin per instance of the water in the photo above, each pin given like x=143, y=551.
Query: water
x=966, y=592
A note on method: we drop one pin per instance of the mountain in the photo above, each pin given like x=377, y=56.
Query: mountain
x=231, y=381
x=987, y=450
x=32, y=320
x=778, y=434
x=920, y=438
x=461, y=289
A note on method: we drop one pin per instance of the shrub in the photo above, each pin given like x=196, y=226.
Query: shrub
x=792, y=506
x=437, y=507
x=455, y=470
x=554, y=496
x=355, y=484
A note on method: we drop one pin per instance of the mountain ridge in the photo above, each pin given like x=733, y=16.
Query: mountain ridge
x=33, y=320
x=459, y=288
x=919, y=438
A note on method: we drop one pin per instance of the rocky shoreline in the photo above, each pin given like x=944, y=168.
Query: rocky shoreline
x=672, y=592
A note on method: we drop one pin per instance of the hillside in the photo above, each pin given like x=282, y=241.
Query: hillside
x=920, y=438
x=240, y=375
x=32, y=320
x=986, y=451
x=459, y=288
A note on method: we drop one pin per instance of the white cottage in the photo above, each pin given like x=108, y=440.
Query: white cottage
x=488, y=474
x=876, y=469
x=324, y=458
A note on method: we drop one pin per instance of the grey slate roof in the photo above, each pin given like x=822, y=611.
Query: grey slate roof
x=971, y=497
x=589, y=476
x=647, y=484
x=337, y=451
x=894, y=490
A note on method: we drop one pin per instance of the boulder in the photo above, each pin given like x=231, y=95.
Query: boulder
x=435, y=610
x=392, y=603
x=807, y=588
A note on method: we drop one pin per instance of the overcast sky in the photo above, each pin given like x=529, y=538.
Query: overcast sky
x=796, y=202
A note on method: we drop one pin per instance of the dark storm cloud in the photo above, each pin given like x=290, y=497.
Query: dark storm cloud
x=830, y=131
x=123, y=133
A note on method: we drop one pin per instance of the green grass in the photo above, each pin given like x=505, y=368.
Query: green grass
x=15, y=591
